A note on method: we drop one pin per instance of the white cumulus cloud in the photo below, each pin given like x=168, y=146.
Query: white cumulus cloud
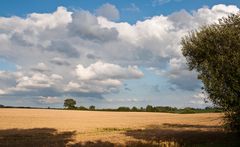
x=82, y=54
x=102, y=70
x=108, y=11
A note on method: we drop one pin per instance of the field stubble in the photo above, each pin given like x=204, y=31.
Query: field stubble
x=92, y=128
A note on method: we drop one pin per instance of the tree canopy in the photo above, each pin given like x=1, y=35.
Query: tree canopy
x=69, y=103
x=91, y=107
x=214, y=52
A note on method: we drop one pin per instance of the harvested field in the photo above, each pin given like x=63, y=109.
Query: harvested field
x=43, y=127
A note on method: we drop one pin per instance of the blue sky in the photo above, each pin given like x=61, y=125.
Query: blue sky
x=107, y=53
x=148, y=8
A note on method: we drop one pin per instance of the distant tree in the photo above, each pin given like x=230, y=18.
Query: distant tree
x=142, y=109
x=149, y=108
x=214, y=52
x=82, y=108
x=91, y=107
x=69, y=103
x=134, y=108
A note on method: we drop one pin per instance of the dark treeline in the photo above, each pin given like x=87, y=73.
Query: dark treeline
x=71, y=104
x=166, y=109
x=26, y=107
x=150, y=108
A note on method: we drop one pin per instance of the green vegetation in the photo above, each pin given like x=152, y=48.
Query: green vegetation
x=150, y=108
x=214, y=52
x=69, y=103
x=82, y=108
x=123, y=109
x=92, y=107
x=134, y=109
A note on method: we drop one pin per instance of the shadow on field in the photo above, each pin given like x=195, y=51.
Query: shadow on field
x=100, y=143
x=166, y=135
x=171, y=135
x=190, y=126
x=34, y=137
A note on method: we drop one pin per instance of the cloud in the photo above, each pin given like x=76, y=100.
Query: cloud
x=96, y=86
x=124, y=100
x=132, y=8
x=102, y=77
x=49, y=100
x=159, y=40
x=36, y=81
x=90, y=29
x=101, y=70
x=50, y=21
x=91, y=56
x=79, y=54
x=178, y=75
x=200, y=95
x=63, y=48
x=162, y=2
x=197, y=102
x=108, y=11
x=29, y=84
x=41, y=67
x=59, y=61
x=156, y=88
x=2, y=92
x=96, y=79
x=8, y=79
x=200, y=99
x=127, y=89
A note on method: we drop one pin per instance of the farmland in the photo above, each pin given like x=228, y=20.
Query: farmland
x=43, y=127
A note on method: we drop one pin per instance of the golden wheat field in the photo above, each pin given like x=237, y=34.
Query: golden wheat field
x=43, y=127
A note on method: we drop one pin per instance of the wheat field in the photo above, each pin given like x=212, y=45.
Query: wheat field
x=44, y=127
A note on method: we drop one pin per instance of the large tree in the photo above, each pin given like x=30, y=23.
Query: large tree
x=214, y=52
x=69, y=103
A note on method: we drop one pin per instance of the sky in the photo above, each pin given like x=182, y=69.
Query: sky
x=107, y=53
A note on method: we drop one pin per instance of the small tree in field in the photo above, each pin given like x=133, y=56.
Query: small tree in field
x=69, y=103
x=92, y=107
x=214, y=52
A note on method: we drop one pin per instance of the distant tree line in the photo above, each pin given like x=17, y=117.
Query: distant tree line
x=166, y=109
x=71, y=104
